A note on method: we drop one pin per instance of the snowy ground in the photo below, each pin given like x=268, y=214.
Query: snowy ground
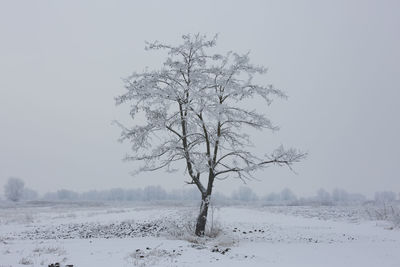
x=85, y=234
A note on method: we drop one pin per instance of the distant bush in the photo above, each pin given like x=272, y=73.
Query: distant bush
x=14, y=189
x=385, y=212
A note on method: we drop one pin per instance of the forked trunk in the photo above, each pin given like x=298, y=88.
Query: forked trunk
x=202, y=218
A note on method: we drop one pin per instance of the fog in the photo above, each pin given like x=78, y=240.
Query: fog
x=15, y=191
x=61, y=65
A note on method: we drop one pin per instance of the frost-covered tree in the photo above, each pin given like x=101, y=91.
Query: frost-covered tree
x=340, y=195
x=272, y=197
x=287, y=195
x=14, y=189
x=195, y=113
x=323, y=197
x=67, y=195
x=154, y=192
x=244, y=194
x=116, y=194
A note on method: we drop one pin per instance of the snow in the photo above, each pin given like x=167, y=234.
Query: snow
x=84, y=234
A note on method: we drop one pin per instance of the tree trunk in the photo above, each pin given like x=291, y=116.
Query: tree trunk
x=202, y=218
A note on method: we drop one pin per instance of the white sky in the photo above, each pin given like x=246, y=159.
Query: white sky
x=61, y=64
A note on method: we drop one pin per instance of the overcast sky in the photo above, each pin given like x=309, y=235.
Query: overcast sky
x=61, y=64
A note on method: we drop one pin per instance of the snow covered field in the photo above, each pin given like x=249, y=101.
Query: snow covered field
x=89, y=234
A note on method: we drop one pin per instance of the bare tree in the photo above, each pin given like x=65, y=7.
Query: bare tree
x=14, y=189
x=194, y=113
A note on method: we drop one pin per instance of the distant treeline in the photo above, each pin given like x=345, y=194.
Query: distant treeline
x=149, y=193
x=15, y=190
x=242, y=195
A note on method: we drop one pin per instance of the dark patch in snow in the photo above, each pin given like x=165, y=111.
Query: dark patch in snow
x=93, y=230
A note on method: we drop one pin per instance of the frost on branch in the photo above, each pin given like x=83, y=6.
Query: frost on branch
x=194, y=113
